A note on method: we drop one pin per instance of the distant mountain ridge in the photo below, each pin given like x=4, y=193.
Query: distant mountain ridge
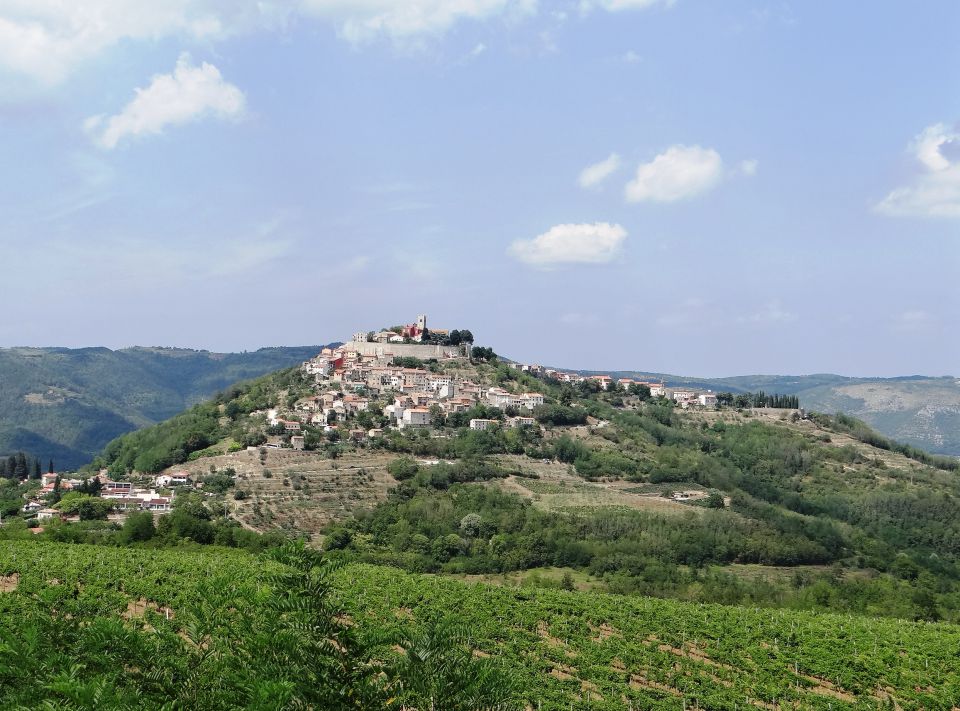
x=920, y=410
x=65, y=404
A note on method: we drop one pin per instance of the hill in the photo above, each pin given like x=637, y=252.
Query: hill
x=918, y=410
x=620, y=492
x=219, y=628
x=66, y=404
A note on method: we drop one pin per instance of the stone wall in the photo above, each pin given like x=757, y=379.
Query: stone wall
x=410, y=350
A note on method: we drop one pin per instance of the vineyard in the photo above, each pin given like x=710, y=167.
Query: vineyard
x=598, y=651
x=90, y=626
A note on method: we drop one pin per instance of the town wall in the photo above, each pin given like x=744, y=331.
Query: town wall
x=423, y=351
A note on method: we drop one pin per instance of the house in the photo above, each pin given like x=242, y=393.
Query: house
x=531, y=400
x=707, y=399
x=65, y=485
x=156, y=503
x=483, y=425
x=290, y=425
x=415, y=417
x=658, y=390
x=32, y=506
x=297, y=442
x=116, y=488
x=175, y=479
x=521, y=421
x=501, y=398
x=47, y=514
x=604, y=381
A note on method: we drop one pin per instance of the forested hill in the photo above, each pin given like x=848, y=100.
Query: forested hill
x=66, y=404
x=917, y=410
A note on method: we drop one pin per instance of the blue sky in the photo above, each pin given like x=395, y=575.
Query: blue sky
x=690, y=187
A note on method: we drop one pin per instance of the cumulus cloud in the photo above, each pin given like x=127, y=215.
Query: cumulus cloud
x=595, y=243
x=678, y=173
x=593, y=175
x=188, y=94
x=47, y=39
x=935, y=192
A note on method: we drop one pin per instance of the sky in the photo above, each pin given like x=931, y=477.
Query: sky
x=685, y=186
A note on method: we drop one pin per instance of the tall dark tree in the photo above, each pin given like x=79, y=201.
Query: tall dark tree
x=21, y=470
x=50, y=469
x=55, y=496
x=36, y=469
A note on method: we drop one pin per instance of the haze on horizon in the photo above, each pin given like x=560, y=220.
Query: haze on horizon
x=670, y=186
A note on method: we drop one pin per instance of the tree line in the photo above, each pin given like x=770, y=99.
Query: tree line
x=758, y=399
x=22, y=466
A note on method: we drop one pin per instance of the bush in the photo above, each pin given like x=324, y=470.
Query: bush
x=403, y=468
x=138, y=527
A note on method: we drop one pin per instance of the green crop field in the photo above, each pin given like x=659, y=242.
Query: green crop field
x=129, y=627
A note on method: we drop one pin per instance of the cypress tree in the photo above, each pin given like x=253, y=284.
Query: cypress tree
x=21, y=469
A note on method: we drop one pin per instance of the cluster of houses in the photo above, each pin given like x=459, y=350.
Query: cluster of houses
x=684, y=397
x=358, y=377
x=123, y=495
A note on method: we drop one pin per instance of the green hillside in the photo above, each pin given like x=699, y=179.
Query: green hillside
x=835, y=516
x=66, y=404
x=917, y=410
x=808, y=563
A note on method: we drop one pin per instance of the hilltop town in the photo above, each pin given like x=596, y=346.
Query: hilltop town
x=409, y=375
x=393, y=381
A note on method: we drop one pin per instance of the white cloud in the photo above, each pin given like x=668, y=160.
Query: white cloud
x=47, y=39
x=595, y=243
x=935, y=192
x=748, y=167
x=188, y=94
x=929, y=144
x=618, y=5
x=914, y=320
x=678, y=173
x=631, y=57
x=594, y=175
x=363, y=20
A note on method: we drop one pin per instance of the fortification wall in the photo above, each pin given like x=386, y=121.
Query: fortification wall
x=410, y=350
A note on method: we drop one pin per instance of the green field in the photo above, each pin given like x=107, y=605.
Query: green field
x=88, y=627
